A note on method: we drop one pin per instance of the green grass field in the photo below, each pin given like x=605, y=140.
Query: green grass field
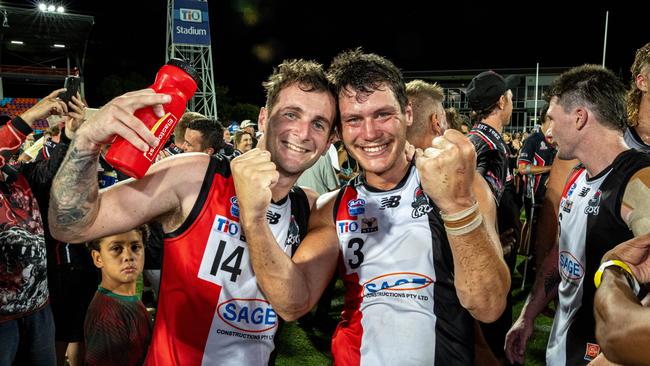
x=302, y=344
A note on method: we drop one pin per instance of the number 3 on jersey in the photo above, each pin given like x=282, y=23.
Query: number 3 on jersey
x=356, y=244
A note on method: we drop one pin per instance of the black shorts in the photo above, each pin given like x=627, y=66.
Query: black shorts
x=71, y=290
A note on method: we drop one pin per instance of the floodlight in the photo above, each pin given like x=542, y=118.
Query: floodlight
x=51, y=8
x=60, y=9
x=17, y=42
x=58, y=45
x=42, y=7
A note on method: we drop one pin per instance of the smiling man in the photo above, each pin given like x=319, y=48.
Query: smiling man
x=210, y=309
x=416, y=247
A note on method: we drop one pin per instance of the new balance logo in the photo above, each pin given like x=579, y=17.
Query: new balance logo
x=273, y=217
x=584, y=191
x=390, y=202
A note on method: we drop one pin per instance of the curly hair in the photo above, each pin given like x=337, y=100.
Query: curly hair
x=640, y=65
x=309, y=75
x=595, y=87
x=366, y=73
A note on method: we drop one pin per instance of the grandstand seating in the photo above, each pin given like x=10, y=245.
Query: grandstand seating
x=16, y=106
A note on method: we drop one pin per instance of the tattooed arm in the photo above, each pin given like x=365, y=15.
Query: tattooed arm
x=79, y=211
x=544, y=290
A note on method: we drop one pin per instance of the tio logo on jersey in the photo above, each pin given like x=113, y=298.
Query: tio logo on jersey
x=347, y=226
x=248, y=315
x=226, y=226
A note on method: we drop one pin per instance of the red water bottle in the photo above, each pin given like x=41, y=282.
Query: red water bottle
x=177, y=79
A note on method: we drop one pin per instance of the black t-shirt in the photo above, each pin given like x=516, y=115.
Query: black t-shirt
x=538, y=152
x=491, y=157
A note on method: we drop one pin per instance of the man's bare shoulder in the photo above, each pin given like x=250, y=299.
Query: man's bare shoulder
x=322, y=213
x=186, y=162
x=318, y=199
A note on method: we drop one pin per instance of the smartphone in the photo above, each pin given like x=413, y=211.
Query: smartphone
x=72, y=84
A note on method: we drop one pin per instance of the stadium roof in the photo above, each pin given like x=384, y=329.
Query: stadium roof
x=29, y=36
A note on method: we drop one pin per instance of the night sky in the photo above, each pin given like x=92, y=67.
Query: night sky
x=250, y=37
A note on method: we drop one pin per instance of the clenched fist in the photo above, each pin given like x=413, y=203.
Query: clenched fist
x=447, y=171
x=254, y=175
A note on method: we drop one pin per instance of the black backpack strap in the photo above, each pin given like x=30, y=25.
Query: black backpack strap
x=300, y=210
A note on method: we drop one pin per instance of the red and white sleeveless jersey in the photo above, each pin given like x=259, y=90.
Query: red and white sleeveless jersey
x=401, y=306
x=210, y=309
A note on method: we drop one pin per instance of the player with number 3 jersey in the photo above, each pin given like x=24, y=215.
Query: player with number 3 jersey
x=415, y=244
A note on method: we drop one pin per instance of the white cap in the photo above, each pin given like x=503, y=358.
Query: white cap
x=246, y=123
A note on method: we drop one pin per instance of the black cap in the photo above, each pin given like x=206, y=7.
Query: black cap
x=486, y=88
x=183, y=65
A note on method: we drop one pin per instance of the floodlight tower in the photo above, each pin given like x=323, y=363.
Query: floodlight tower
x=188, y=38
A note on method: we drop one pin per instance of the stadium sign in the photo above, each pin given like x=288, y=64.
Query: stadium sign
x=191, y=23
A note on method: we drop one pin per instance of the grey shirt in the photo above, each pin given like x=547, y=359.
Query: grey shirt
x=321, y=177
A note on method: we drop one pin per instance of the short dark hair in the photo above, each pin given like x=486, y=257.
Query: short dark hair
x=595, y=87
x=542, y=114
x=308, y=75
x=185, y=120
x=212, y=132
x=142, y=229
x=365, y=73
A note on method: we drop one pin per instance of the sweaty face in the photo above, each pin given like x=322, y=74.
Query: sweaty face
x=121, y=259
x=297, y=128
x=193, y=141
x=374, y=132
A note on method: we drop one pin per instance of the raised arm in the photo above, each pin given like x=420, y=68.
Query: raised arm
x=481, y=277
x=13, y=134
x=78, y=211
x=292, y=285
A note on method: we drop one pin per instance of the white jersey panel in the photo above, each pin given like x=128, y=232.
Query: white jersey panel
x=582, y=199
x=387, y=243
x=244, y=319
